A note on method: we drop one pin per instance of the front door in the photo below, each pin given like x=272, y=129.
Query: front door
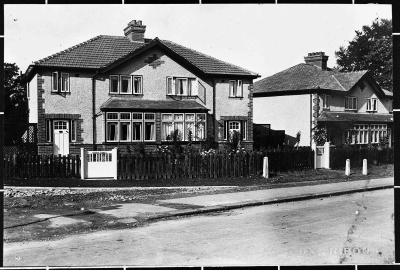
x=61, y=137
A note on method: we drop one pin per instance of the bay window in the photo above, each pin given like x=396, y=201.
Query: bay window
x=196, y=123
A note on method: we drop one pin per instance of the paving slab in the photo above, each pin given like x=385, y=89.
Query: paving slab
x=129, y=210
x=281, y=193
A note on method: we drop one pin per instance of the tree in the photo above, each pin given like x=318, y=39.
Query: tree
x=371, y=49
x=15, y=99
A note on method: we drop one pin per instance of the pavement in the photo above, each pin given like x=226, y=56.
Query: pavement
x=130, y=212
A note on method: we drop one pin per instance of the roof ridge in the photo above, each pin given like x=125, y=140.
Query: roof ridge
x=203, y=54
x=333, y=75
x=67, y=50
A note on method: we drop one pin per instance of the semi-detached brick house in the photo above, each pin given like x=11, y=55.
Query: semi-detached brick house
x=350, y=105
x=118, y=90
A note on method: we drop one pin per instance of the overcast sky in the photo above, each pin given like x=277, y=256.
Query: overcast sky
x=262, y=38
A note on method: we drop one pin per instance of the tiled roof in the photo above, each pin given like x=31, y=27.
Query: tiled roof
x=308, y=77
x=354, y=117
x=101, y=51
x=95, y=53
x=116, y=103
x=205, y=63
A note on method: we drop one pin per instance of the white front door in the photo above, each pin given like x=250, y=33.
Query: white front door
x=61, y=137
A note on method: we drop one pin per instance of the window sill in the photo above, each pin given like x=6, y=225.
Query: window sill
x=236, y=97
x=124, y=95
x=350, y=110
x=59, y=93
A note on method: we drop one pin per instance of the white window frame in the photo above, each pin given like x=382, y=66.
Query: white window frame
x=140, y=91
x=62, y=87
x=192, y=122
x=232, y=90
x=347, y=101
x=54, y=89
x=185, y=86
x=121, y=78
x=73, y=130
x=141, y=126
x=111, y=84
x=326, y=101
x=204, y=115
x=190, y=88
x=49, y=130
x=154, y=126
x=242, y=127
x=170, y=86
x=372, y=104
x=377, y=131
x=129, y=122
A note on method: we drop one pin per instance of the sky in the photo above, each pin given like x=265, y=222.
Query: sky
x=265, y=39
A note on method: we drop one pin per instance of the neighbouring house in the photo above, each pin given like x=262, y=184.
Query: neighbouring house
x=120, y=90
x=351, y=106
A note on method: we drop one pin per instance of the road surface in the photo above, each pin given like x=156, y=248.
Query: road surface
x=349, y=229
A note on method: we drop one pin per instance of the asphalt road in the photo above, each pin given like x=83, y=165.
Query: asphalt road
x=348, y=229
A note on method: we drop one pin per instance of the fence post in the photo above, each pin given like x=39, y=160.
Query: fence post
x=327, y=148
x=347, y=171
x=83, y=163
x=365, y=170
x=115, y=160
x=265, y=168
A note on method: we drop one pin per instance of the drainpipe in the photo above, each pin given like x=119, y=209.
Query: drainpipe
x=94, y=110
x=214, y=107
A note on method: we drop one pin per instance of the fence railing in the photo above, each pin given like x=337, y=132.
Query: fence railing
x=164, y=166
x=374, y=156
x=41, y=166
x=196, y=165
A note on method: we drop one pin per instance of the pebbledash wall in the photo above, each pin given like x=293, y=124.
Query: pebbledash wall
x=77, y=104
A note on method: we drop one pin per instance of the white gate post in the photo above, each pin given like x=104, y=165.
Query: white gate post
x=327, y=148
x=265, y=168
x=365, y=170
x=314, y=148
x=347, y=171
x=83, y=163
x=114, y=159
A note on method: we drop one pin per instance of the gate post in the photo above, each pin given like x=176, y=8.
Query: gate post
x=83, y=163
x=314, y=148
x=327, y=148
x=114, y=159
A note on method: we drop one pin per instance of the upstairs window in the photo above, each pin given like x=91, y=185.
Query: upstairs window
x=350, y=103
x=60, y=82
x=326, y=101
x=137, y=85
x=236, y=88
x=126, y=84
x=182, y=86
x=372, y=104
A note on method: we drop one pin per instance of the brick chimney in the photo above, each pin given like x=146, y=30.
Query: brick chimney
x=135, y=31
x=318, y=59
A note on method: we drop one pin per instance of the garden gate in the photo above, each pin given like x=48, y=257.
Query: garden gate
x=98, y=164
x=322, y=156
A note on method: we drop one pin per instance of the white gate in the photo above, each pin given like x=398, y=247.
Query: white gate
x=322, y=156
x=98, y=164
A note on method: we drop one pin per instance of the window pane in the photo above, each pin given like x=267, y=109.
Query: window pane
x=178, y=117
x=166, y=117
x=346, y=102
x=137, y=131
x=166, y=129
x=55, y=81
x=125, y=84
x=73, y=130
x=354, y=104
x=181, y=86
x=190, y=117
x=149, y=116
x=137, y=85
x=125, y=116
x=240, y=89
x=149, y=132
x=112, y=115
x=64, y=82
x=200, y=132
x=137, y=116
x=189, y=127
x=125, y=128
x=169, y=86
x=232, y=88
x=112, y=131
x=179, y=127
x=114, y=84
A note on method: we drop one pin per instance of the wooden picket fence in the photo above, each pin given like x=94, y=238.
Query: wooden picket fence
x=196, y=165
x=41, y=166
x=374, y=156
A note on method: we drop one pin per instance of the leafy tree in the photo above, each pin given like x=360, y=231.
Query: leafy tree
x=371, y=49
x=15, y=99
